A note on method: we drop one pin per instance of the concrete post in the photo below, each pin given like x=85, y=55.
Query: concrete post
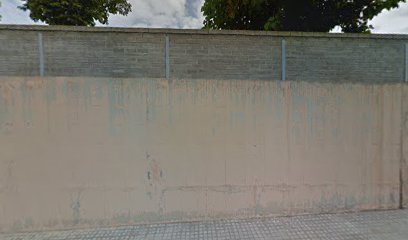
x=41, y=54
x=283, y=60
x=167, y=57
x=406, y=62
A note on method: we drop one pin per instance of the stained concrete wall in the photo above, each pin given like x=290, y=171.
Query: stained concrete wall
x=200, y=54
x=404, y=149
x=78, y=152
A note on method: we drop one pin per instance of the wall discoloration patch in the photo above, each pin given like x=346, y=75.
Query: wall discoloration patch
x=76, y=206
x=155, y=181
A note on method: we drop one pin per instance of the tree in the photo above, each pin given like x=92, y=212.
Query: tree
x=294, y=15
x=75, y=12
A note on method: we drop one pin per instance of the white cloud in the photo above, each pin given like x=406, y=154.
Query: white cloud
x=12, y=15
x=187, y=14
x=163, y=14
x=394, y=21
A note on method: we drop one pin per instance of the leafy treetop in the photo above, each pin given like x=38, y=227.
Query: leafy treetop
x=294, y=15
x=75, y=12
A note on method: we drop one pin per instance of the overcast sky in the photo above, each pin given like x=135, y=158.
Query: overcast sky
x=187, y=14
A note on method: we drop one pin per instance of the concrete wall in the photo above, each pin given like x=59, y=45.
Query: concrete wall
x=200, y=54
x=103, y=139
x=78, y=152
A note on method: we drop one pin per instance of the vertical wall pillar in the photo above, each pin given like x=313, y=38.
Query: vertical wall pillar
x=41, y=54
x=283, y=70
x=167, y=57
x=406, y=62
x=404, y=136
x=404, y=147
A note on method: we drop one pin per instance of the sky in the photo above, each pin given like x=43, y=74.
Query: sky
x=187, y=14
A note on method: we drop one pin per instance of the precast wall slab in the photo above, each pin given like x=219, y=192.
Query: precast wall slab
x=78, y=152
x=201, y=54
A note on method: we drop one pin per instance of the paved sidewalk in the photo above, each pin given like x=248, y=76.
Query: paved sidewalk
x=387, y=225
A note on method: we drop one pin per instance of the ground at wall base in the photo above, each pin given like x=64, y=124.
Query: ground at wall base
x=388, y=225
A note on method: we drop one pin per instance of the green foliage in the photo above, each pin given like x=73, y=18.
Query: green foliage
x=294, y=15
x=75, y=12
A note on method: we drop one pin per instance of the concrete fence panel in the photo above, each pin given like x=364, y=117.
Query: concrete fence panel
x=77, y=152
x=201, y=54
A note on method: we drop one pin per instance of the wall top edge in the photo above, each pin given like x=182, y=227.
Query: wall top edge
x=199, y=32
